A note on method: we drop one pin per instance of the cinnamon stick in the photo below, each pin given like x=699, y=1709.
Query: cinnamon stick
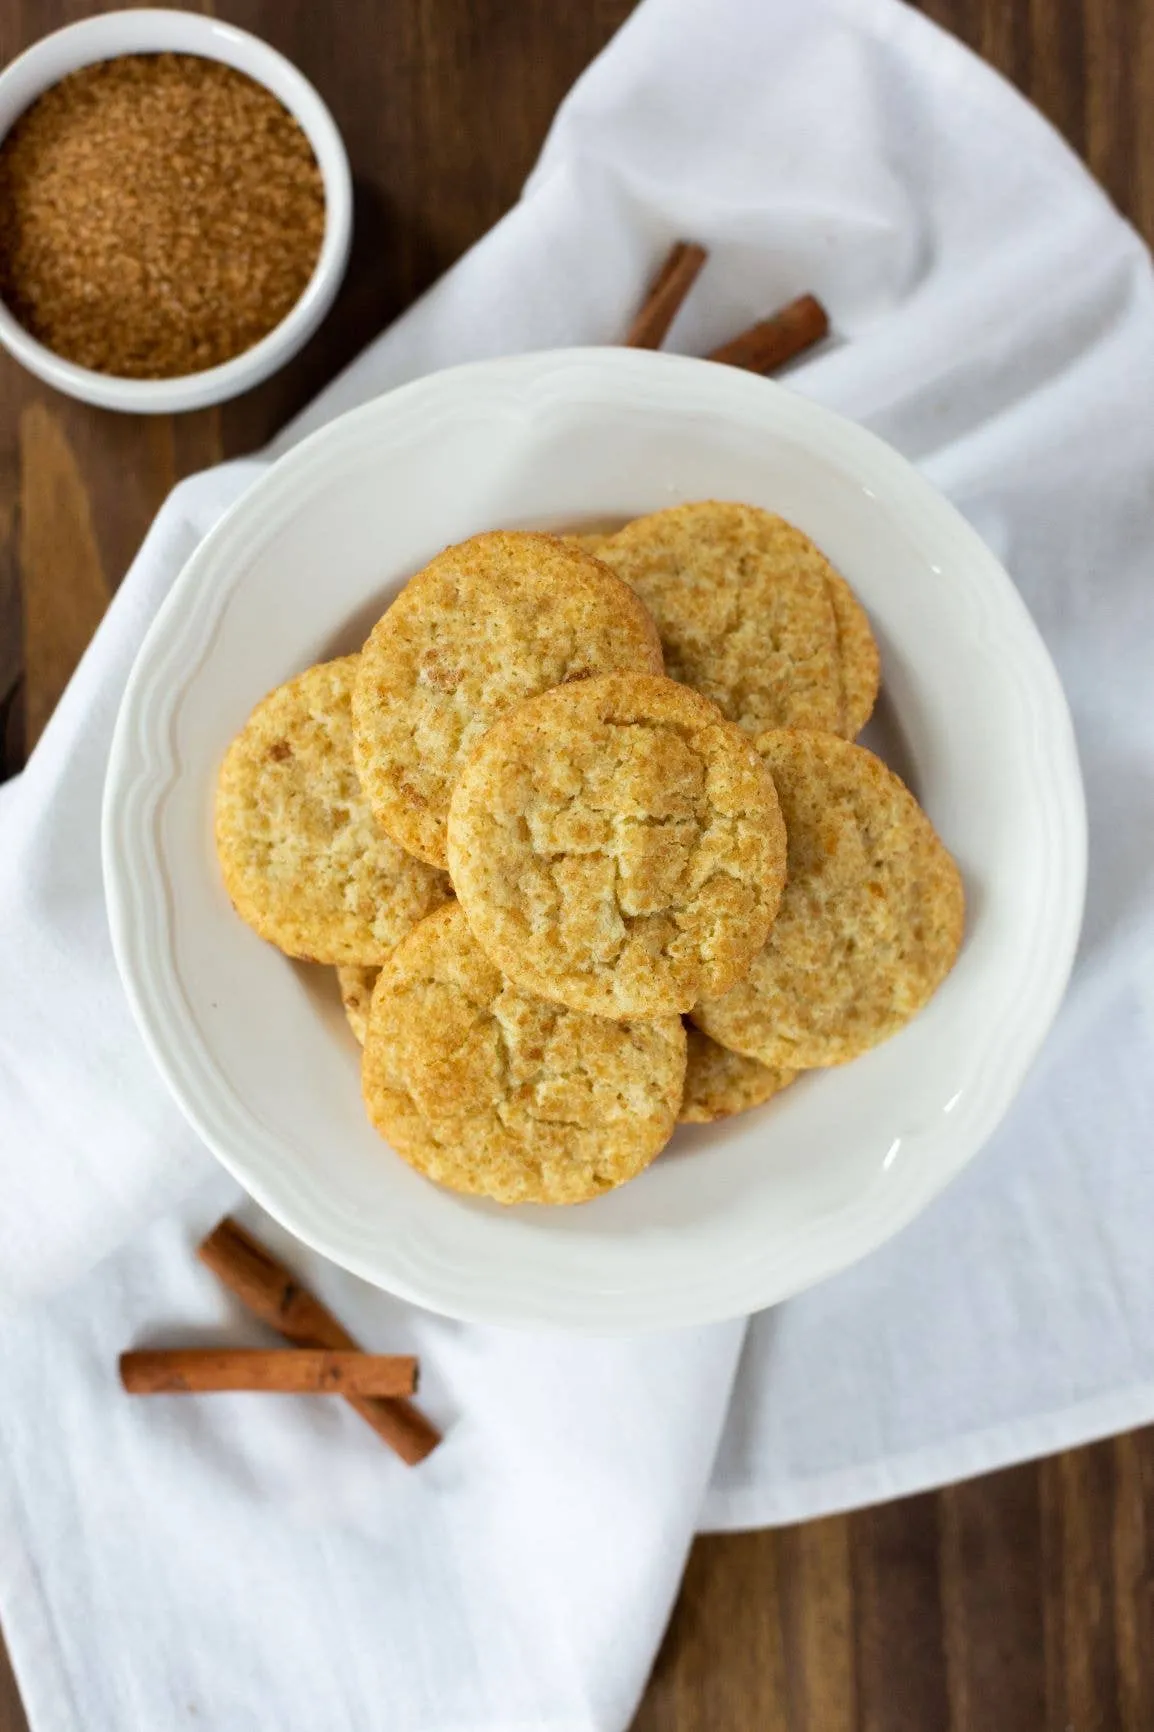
x=773, y=342
x=665, y=294
x=276, y=1370
x=272, y=1292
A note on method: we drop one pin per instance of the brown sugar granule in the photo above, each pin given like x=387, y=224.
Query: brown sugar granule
x=159, y=214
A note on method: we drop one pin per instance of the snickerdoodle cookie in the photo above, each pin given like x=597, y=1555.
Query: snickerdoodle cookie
x=857, y=653
x=617, y=845
x=870, y=922
x=751, y=613
x=492, y=1090
x=485, y=624
x=742, y=608
x=719, y=1083
x=303, y=860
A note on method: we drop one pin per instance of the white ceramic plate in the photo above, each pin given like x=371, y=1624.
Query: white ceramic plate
x=731, y=1217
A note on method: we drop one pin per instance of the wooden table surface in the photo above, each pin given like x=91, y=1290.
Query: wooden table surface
x=1023, y=1602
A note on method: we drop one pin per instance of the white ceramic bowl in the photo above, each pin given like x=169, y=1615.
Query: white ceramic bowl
x=733, y=1216
x=160, y=31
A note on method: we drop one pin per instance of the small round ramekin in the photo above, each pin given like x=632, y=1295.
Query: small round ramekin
x=156, y=31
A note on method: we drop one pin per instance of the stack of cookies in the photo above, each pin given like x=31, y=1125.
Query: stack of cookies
x=584, y=832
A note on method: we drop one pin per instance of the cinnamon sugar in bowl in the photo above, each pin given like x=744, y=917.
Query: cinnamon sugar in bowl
x=175, y=210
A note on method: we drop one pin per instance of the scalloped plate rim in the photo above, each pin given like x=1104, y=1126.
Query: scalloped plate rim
x=199, y=599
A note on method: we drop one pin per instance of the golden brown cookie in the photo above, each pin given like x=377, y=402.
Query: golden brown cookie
x=743, y=607
x=303, y=860
x=870, y=922
x=484, y=625
x=617, y=846
x=494, y=1091
x=859, y=665
x=858, y=656
x=356, y=986
x=719, y=1083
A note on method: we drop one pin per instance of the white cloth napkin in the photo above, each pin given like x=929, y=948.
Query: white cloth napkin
x=239, y=1563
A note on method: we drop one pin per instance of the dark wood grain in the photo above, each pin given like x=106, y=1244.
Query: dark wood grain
x=11, y=1714
x=993, y=1600
x=901, y=1653
x=1023, y=1602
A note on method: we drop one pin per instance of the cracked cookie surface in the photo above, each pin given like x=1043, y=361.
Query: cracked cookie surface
x=486, y=624
x=751, y=613
x=870, y=922
x=742, y=608
x=303, y=860
x=494, y=1091
x=618, y=846
x=719, y=1083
